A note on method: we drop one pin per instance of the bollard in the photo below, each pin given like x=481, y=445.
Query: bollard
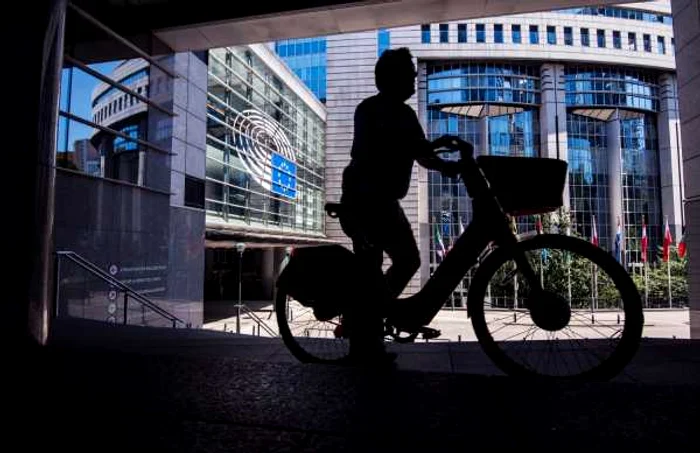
x=224, y=327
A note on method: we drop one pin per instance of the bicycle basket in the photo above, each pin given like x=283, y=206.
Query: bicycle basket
x=525, y=185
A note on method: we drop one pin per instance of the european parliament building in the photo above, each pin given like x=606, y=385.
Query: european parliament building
x=595, y=86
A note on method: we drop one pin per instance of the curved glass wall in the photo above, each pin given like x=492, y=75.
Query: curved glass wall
x=588, y=176
x=611, y=87
x=621, y=13
x=461, y=83
x=515, y=134
x=484, y=87
x=265, y=147
x=640, y=185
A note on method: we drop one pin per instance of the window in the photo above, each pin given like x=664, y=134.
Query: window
x=585, y=38
x=617, y=40
x=568, y=36
x=517, y=38
x=534, y=34
x=425, y=33
x=498, y=33
x=194, y=192
x=600, y=34
x=661, y=44
x=551, y=35
x=461, y=32
x=631, y=41
x=444, y=33
x=480, y=33
x=647, y=42
x=383, y=41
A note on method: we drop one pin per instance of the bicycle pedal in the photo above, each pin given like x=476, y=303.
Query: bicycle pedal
x=429, y=333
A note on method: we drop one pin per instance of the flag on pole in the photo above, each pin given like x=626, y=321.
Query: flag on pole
x=618, y=242
x=681, y=245
x=447, y=230
x=645, y=241
x=439, y=245
x=594, y=233
x=538, y=225
x=668, y=240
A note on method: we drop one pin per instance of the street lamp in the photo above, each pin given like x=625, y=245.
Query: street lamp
x=240, y=248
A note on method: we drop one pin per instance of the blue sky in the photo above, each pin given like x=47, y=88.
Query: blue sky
x=81, y=87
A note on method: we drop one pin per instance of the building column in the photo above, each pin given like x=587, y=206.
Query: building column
x=28, y=297
x=670, y=154
x=614, y=148
x=483, y=149
x=424, y=233
x=553, y=136
x=268, y=272
x=686, y=27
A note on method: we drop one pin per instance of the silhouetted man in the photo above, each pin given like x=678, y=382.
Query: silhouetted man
x=388, y=139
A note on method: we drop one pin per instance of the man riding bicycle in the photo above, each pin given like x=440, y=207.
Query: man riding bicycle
x=388, y=138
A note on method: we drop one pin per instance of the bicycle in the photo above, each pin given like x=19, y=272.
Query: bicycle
x=518, y=316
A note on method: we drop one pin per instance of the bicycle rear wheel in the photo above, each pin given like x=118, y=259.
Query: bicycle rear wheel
x=586, y=324
x=309, y=339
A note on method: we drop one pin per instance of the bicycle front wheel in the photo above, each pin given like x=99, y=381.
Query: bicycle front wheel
x=585, y=323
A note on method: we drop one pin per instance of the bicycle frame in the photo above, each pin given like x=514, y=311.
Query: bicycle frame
x=489, y=224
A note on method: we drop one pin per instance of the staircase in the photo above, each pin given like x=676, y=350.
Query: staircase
x=102, y=297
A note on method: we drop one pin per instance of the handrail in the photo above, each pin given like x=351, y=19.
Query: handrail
x=259, y=320
x=109, y=279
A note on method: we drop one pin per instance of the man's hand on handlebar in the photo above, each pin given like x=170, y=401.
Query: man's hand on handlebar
x=451, y=142
x=451, y=169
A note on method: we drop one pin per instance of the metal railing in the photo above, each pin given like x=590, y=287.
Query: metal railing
x=260, y=323
x=129, y=293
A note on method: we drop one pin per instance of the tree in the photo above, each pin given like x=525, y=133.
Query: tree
x=658, y=279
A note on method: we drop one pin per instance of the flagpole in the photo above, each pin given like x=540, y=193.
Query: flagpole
x=670, y=298
x=540, y=230
x=568, y=267
x=646, y=285
x=667, y=256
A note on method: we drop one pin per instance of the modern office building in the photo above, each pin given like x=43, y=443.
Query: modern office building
x=265, y=185
x=132, y=203
x=595, y=86
x=307, y=58
x=122, y=159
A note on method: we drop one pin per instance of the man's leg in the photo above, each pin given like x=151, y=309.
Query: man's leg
x=400, y=245
x=365, y=316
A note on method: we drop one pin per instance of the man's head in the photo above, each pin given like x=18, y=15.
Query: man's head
x=395, y=74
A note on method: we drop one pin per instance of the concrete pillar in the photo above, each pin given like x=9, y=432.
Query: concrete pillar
x=268, y=272
x=553, y=137
x=686, y=27
x=27, y=299
x=614, y=176
x=484, y=149
x=670, y=154
x=423, y=192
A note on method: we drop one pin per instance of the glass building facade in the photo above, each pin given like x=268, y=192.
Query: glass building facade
x=306, y=57
x=265, y=147
x=495, y=107
x=588, y=176
x=627, y=100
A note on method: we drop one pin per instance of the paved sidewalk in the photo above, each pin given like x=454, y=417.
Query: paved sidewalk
x=98, y=388
x=659, y=361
